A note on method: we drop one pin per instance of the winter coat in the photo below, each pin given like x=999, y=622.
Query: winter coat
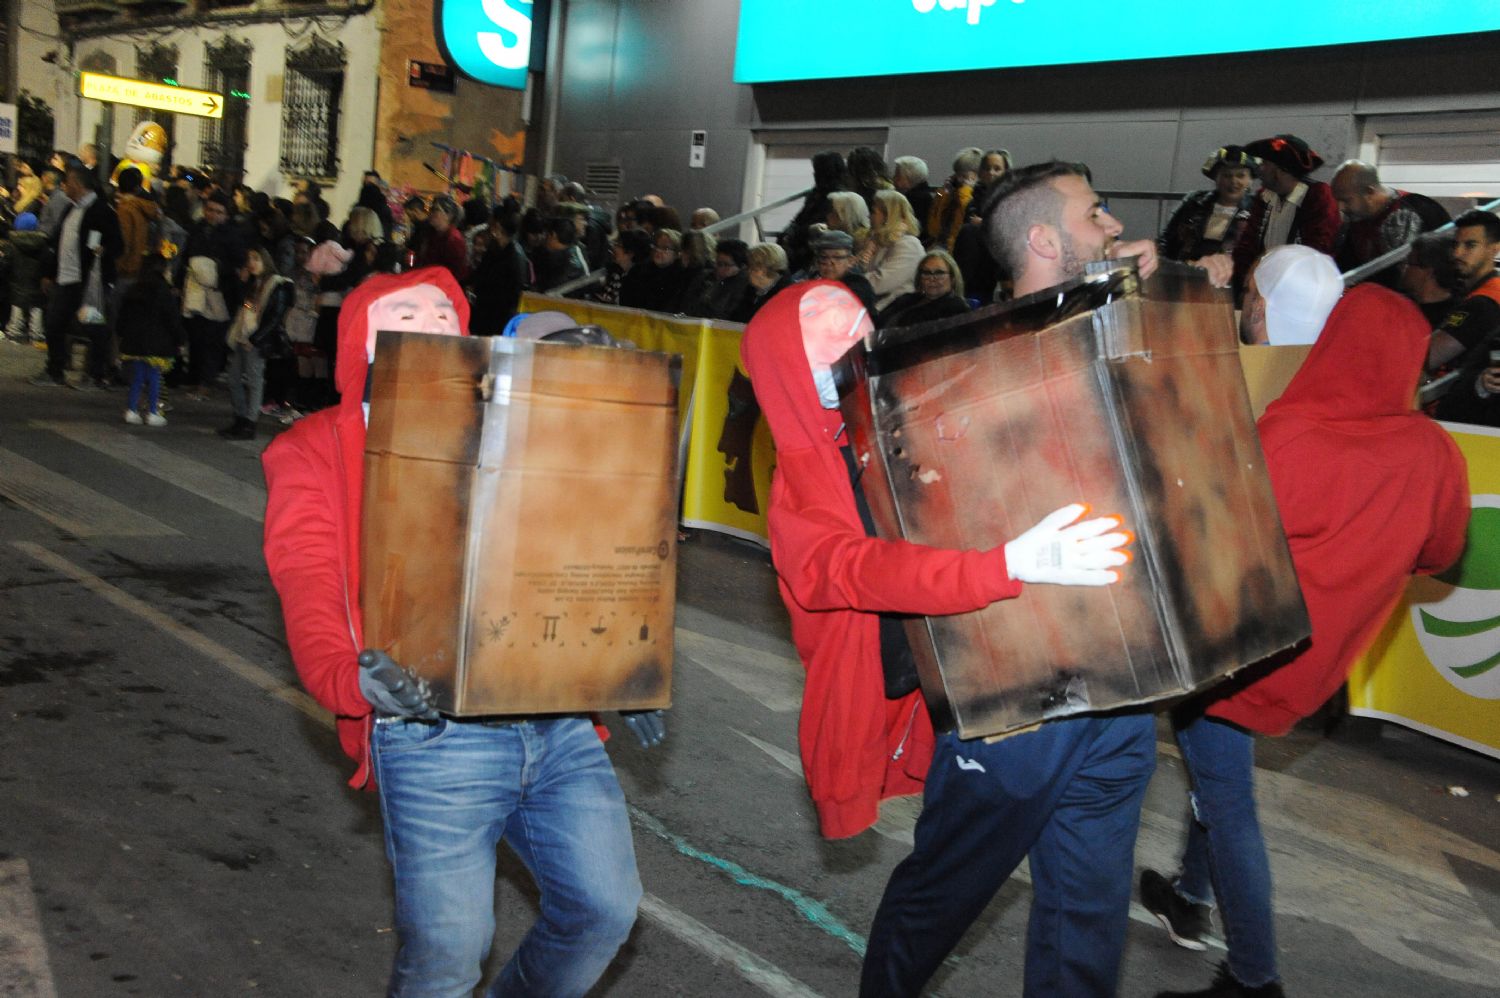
x=28, y=256
x=857, y=746
x=1370, y=491
x=148, y=323
x=137, y=217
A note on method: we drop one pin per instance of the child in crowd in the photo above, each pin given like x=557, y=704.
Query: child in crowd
x=151, y=336
x=26, y=257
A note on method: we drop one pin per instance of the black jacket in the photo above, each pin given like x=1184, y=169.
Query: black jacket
x=497, y=283
x=149, y=324
x=98, y=217
x=914, y=307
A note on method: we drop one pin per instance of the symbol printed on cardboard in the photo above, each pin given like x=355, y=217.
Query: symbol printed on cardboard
x=549, y=628
x=598, y=628
x=646, y=630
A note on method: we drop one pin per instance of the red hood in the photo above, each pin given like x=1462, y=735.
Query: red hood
x=776, y=361
x=354, y=326
x=1365, y=363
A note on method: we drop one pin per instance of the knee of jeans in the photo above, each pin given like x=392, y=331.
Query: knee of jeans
x=609, y=913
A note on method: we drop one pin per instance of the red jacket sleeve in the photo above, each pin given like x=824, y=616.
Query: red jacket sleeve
x=1450, y=518
x=1320, y=219
x=305, y=549
x=829, y=564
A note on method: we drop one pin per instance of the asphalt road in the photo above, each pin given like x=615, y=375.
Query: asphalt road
x=174, y=819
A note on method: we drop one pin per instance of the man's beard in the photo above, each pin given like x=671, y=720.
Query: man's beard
x=1071, y=264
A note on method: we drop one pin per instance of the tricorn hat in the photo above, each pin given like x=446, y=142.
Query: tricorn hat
x=1287, y=152
x=1231, y=156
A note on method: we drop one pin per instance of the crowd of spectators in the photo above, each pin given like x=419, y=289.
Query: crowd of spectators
x=911, y=251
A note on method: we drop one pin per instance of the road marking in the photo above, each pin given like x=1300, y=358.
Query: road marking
x=24, y=971
x=771, y=679
x=786, y=760
x=281, y=689
x=245, y=498
x=754, y=969
x=74, y=508
x=814, y=911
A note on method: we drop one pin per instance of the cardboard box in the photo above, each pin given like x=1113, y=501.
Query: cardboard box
x=1131, y=399
x=520, y=498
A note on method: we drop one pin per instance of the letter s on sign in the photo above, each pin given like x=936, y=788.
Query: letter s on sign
x=492, y=43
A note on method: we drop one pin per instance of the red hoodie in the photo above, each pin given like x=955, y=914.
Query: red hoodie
x=315, y=481
x=1369, y=489
x=858, y=748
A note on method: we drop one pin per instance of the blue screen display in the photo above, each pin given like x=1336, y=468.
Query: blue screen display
x=487, y=40
x=834, y=39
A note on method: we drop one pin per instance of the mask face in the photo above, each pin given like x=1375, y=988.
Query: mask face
x=828, y=391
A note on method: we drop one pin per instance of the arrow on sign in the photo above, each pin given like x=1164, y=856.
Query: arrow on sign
x=212, y=105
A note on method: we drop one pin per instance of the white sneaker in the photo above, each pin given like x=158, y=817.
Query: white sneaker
x=132, y=417
x=155, y=419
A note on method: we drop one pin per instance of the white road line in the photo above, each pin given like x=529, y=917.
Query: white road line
x=75, y=508
x=245, y=498
x=253, y=674
x=771, y=679
x=754, y=969
x=758, y=971
x=24, y=971
x=786, y=760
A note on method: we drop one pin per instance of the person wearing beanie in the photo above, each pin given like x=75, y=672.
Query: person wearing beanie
x=1288, y=297
x=1291, y=207
x=1209, y=222
x=1370, y=491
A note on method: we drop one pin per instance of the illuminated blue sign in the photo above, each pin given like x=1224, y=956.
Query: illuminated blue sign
x=492, y=41
x=832, y=39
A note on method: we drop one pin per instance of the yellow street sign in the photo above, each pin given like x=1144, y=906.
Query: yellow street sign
x=156, y=96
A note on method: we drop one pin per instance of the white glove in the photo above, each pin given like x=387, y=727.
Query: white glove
x=1062, y=551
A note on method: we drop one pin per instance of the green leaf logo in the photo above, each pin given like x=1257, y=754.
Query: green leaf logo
x=1457, y=614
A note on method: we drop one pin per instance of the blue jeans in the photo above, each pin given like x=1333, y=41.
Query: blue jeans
x=1069, y=794
x=1225, y=856
x=449, y=792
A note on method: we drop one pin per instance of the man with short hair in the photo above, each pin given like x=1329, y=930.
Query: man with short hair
x=1430, y=277
x=210, y=290
x=1067, y=793
x=88, y=237
x=57, y=206
x=1291, y=207
x=1470, y=334
x=833, y=255
x=1377, y=218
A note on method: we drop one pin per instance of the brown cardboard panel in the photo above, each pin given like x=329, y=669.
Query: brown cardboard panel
x=972, y=429
x=554, y=544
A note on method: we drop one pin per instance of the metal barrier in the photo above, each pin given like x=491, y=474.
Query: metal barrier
x=1398, y=254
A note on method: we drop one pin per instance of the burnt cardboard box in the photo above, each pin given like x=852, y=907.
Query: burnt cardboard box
x=519, y=545
x=1105, y=391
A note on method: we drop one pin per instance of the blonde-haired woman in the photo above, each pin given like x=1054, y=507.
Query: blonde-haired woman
x=939, y=294
x=891, y=254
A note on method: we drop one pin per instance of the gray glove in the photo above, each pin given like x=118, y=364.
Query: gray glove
x=392, y=689
x=648, y=726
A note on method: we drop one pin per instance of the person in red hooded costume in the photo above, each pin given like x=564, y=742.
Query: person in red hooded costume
x=1370, y=491
x=450, y=788
x=1067, y=793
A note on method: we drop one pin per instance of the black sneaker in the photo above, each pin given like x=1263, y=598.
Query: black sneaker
x=1225, y=986
x=1187, y=923
x=46, y=381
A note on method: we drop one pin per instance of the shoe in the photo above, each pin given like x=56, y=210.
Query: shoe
x=155, y=419
x=46, y=381
x=133, y=418
x=1225, y=986
x=1187, y=923
x=240, y=429
x=92, y=385
x=270, y=409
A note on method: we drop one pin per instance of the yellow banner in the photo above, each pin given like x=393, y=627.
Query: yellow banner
x=729, y=454
x=1436, y=665
x=156, y=96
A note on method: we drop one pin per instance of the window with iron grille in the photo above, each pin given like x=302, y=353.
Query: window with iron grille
x=223, y=139
x=310, y=110
x=157, y=63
